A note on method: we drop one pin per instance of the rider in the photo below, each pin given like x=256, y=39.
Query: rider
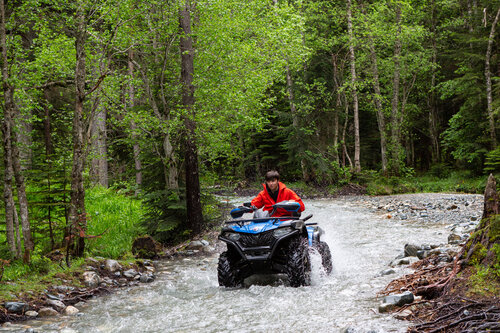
x=275, y=191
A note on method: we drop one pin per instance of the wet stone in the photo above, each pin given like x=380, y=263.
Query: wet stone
x=31, y=314
x=58, y=305
x=411, y=250
x=131, y=273
x=399, y=299
x=112, y=265
x=385, y=307
x=387, y=272
x=47, y=312
x=147, y=278
x=16, y=307
x=71, y=311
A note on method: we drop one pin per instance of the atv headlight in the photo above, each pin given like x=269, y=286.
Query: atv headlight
x=282, y=232
x=232, y=236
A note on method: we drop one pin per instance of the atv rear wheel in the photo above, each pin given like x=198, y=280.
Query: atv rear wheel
x=326, y=256
x=227, y=272
x=298, y=267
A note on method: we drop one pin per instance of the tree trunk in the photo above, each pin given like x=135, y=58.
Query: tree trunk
x=133, y=126
x=295, y=121
x=357, y=164
x=338, y=104
x=12, y=162
x=77, y=214
x=433, y=119
x=487, y=73
x=7, y=189
x=22, y=198
x=379, y=109
x=395, y=129
x=193, y=202
x=49, y=151
x=169, y=158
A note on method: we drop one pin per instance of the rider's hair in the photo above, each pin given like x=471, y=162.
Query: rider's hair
x=272, y=174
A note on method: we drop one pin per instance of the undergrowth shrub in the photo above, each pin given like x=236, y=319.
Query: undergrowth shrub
x=114, y=219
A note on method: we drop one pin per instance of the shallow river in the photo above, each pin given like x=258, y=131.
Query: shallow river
x=186, y=297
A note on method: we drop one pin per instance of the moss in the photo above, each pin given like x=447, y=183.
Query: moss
x=484, y=282
x=494, y=232
x=479, y=252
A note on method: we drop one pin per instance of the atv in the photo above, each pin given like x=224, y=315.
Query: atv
x=270, y=245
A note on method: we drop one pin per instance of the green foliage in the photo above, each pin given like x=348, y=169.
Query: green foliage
x=485, y=281
x=492, y=163
x=165, y=213
x=115, y=221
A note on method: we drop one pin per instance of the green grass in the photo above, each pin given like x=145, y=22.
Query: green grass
x=24, y=280
x=461, y=182
x=116, y=218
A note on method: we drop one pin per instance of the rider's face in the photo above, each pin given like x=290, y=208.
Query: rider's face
x=272, y=184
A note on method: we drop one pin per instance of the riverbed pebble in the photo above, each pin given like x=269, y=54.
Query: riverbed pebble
x=112, y=265
x=56, y=304
x=131, y=273
x=31, y=314
x=47, y=312
x=71, y=310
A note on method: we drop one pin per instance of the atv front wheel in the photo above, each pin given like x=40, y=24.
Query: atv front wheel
x=298, y=267
x=326, y=256
x=227, y=272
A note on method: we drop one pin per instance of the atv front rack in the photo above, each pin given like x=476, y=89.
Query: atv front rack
x=266, y=219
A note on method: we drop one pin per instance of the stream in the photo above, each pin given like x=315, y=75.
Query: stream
x=186, y=297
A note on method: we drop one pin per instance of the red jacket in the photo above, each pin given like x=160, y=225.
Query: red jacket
x=263, y=199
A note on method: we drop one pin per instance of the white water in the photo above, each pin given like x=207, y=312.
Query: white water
x=186, y=297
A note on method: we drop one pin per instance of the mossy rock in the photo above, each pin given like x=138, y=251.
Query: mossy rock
x=146, y=247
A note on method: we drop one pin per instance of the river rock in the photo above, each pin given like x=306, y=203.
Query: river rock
x=385, y=307
x=58, y=305
x=146, y=247
x=131, y=273
x=422, y=254
x=47, y=312
x=31, y=314
x=387, y=272
x=71, y=310
x=454, y=239
x=91, y=279
x=403, y=315
x=16, y=307
x=194, y=246
x=146, y=278
x=399, y=299
x=112, y=265
x=54, y=297
x=411, y=250
x=63, y=289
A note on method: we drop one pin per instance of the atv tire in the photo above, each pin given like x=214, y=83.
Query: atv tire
x=227, y=272
x=326, y=256
x=298, y=267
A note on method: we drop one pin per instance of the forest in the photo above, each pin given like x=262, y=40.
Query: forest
x=120, y=116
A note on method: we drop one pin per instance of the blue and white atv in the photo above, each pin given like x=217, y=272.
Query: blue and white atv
x=270, y=245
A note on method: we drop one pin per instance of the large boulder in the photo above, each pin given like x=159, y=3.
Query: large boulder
x=146, y=247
